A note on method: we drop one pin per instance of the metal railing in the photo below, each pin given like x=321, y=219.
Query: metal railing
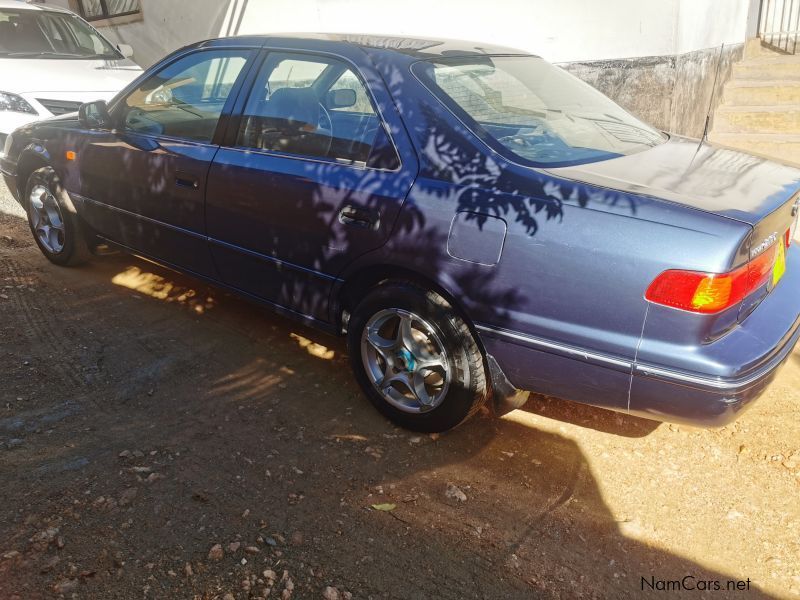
x=779, y=25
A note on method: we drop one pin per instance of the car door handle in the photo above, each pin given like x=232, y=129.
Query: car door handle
x=186, y=181
x=359, y=217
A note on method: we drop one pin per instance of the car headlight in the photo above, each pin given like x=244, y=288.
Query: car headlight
x=14, y=103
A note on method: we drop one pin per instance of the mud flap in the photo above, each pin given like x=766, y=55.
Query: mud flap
x=504, y=395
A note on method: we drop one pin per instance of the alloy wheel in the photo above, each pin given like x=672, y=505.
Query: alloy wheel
x=46, y=219
x=405, y=360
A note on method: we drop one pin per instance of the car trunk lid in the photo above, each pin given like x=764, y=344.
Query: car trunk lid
x=726, y=182
x=735, y=185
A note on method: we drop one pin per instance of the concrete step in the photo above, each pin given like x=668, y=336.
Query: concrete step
x=782, y=147
x=755, y=49
x=768, y=68
x=782, y=119
x=755, y=92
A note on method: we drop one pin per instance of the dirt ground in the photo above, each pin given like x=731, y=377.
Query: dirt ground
x=160, y=438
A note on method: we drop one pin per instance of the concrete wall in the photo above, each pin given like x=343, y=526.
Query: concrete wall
x=673, y=93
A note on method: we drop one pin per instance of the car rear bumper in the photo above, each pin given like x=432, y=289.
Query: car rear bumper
x=655, y=397
x=750, y=355
x=685, y=398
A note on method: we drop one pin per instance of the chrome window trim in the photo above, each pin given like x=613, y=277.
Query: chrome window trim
x=324, y=161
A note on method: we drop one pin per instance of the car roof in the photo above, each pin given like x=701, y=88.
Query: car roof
x=415, y=47
x=20, y=5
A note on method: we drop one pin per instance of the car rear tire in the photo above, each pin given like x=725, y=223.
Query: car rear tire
x=54, y=223
x=415, y=358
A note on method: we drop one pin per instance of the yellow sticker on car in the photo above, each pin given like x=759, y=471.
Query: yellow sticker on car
x=780, y=263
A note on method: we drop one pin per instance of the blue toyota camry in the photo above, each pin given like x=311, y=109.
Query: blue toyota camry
x=476, y=221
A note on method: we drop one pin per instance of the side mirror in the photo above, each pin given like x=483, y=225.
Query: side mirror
x=94, y=115
x=126, y=50
x=340, y=98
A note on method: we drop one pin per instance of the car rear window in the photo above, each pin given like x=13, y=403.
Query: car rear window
x=535, y=112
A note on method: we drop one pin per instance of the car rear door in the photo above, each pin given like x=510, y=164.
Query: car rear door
x=144, y=181
x=308, y=180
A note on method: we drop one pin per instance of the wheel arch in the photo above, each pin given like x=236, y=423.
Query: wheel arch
x=358, y=283
x=504, y=397
x=30, y=160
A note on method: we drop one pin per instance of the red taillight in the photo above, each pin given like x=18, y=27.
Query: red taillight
x=711, y=292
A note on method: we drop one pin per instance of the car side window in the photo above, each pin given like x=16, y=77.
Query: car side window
x=316, y=107
x=69, y=39
x=186, y=98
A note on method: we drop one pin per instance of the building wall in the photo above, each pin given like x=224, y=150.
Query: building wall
x=170, y=24
x=558, y=30
x=658, y=58
x=673, y=93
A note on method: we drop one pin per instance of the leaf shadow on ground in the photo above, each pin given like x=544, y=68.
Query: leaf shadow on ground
x=259, y=430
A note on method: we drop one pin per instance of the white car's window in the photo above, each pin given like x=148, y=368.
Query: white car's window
x=45, y=34
x=186, y=98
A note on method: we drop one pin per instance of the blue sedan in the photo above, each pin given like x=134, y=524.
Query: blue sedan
x=476, y=221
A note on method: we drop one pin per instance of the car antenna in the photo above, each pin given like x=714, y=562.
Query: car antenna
x=708, y=112
x=713, y=94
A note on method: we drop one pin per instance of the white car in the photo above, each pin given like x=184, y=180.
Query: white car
x=51, y=62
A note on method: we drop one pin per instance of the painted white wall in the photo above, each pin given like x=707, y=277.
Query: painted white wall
x=709, y=23
x=559, y=30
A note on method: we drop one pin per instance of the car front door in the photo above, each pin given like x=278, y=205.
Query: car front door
x=144, y=181
x=309, y=180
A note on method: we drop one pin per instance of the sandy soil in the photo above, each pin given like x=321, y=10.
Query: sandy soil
x=160, y=438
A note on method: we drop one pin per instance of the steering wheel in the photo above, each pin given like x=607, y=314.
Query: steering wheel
x=325, y=127
x=527, y=137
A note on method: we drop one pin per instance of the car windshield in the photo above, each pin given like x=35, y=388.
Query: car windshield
x=46, y=34
x=535, y=111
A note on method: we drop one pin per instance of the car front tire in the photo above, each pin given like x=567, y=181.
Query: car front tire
x=54, y=223
x=415, y=358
